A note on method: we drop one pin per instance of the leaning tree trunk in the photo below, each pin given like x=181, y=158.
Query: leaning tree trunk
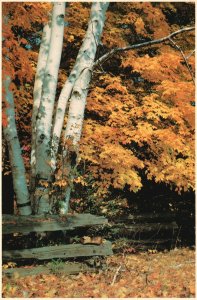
x=16, y=160
x=45, y=112
x=79, y=94
x=37, y=94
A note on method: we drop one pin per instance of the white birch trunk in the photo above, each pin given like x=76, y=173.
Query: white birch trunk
x=16, y=160
x=79, y=94
x=37, y=94
x=45, y=113
x=84, y=60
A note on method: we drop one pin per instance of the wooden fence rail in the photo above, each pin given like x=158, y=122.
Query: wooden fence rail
x=23, y=224
x=68, y=268
x=61, y=251
x=147, y=218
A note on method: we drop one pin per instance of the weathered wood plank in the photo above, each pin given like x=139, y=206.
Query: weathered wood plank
x=24, y=224
x=61, y=251
x=69, y=268
x=146, y=227
x=147, y=217
x=148, y=241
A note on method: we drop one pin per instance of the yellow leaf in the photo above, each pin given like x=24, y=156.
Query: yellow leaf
x=51, y=293
x=192, y=288
x=71, y=38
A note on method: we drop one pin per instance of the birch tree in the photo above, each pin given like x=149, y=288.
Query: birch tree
x=46, y=107
x=16, y=161
x=37, y=94
x=78, y=80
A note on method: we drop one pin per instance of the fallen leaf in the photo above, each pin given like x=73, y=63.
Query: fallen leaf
x=91, y=240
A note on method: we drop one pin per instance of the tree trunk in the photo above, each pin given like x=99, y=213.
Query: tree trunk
x=85, y=57
x=79, y=94
x=45, y=113
x=37, y=95
x=16, y=160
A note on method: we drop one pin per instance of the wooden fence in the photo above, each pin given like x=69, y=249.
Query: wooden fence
x=86, y=236
x=24, y=225
x=141, y=231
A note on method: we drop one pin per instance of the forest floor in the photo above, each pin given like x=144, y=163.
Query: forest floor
x=134, y=275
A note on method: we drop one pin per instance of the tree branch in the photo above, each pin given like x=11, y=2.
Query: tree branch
x=116, y=274
x=184, y=57
x=190, y=54
x=106, y=56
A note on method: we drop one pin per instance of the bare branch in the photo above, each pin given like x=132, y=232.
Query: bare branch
x=184, y=57
x=106, y=56
x=116, y=274
x=190, y=54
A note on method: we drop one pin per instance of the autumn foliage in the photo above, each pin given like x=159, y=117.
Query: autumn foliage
x=139, y=118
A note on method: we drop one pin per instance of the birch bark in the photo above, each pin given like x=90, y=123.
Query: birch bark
x=79, y=94
x=45, y=112
x=37, y=94
x=84, y=60
x=16, y=160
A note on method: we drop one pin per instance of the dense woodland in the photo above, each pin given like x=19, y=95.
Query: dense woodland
x=129, y=67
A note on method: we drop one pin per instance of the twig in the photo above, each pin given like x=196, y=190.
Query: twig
x=180, y=265
x=116, y=274
x=177, y=236
x=106, y=56
x=185, y=59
